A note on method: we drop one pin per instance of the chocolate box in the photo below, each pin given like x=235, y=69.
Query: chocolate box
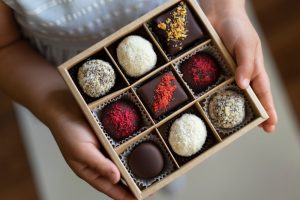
x=153, y=129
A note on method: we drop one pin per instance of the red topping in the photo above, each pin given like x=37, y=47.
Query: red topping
x=121, y=119
x=163, y=93
x=200, y=71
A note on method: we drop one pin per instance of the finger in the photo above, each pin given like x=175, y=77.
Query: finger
x=102, y=184
x=115, y=191
x=93, y=158
x=244, y=52
x=262, y=89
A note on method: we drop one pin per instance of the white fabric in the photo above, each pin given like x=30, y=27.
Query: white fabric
x=60, y=29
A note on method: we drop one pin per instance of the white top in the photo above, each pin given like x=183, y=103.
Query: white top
x=59, y=29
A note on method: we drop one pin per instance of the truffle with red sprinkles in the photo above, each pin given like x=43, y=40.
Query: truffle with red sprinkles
x=200, y=71
x=162, y=94
x=121, y=119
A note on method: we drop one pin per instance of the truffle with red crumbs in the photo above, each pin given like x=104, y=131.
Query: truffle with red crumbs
x=200, y=71
x=162, y=94
x=121, y=119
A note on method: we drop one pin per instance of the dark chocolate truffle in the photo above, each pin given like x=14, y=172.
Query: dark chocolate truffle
x=121, y=119
x=177, y=29
x=146, y=160
x=200, y=71
x=162, y=94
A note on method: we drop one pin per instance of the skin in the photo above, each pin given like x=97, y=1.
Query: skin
x=22, y=77
x=230, y=20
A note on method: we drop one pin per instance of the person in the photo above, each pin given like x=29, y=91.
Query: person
x=35, y=36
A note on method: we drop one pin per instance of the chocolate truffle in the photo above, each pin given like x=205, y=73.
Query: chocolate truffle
x=162, y=94
x=96, y=77
x=200, y=71
x=177, y=29
x=187, y=135
x=121, y=119
x=136, y=55
x=146, y=160
x=227, y=109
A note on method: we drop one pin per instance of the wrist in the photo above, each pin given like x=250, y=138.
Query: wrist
x=61, y=108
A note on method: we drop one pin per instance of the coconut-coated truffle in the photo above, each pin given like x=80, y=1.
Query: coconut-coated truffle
x=96, y=77
x=227, y=109
x=146, y=160
x=136, y=55
x=121, y=119
x=187, y=135
x=200, y=71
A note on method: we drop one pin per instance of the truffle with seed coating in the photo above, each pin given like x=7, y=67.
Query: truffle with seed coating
x=227, y=109
x=96, y=77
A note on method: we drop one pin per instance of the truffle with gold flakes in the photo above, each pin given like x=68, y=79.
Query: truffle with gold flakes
x=177, y=29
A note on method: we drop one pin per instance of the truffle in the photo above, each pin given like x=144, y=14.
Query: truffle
x=177, y=29
x=96, y=77
x=162, y=94
x=227, y=109
x=146, y=160
x=121, y=119
x=187, y=135
x=136, y=55
x=200, y=71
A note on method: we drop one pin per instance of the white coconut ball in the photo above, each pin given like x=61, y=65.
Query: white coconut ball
x=136, y=55
x=187, y=135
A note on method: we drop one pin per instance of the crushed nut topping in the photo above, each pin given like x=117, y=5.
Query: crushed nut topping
x=176, y=27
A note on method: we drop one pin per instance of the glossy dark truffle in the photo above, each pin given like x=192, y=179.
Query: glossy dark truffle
x=165, y=25
x=121, y=119
x=162, y=94
x=200, y=71
x=146, y=160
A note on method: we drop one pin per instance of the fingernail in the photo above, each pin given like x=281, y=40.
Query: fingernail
x=245, y=83
x=272, y=128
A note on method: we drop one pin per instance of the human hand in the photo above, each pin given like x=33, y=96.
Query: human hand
x=51, y=102
x=80, y=147
x=239, y=36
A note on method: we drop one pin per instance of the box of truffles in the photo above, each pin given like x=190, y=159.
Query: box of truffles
x=160, y=95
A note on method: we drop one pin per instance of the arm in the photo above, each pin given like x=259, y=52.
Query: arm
x=32, y=81
x=230, y=20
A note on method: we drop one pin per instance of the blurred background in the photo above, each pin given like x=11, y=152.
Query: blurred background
x=257, y=166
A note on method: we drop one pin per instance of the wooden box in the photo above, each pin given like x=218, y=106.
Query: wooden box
x=106, y=49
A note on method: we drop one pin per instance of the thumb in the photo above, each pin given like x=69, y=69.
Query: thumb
x=244, y=52
x=94, y=159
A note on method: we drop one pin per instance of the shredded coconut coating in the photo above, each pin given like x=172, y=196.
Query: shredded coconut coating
x=187, y=135
x=227, y=109
x=136, y=55
x=96, y=77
